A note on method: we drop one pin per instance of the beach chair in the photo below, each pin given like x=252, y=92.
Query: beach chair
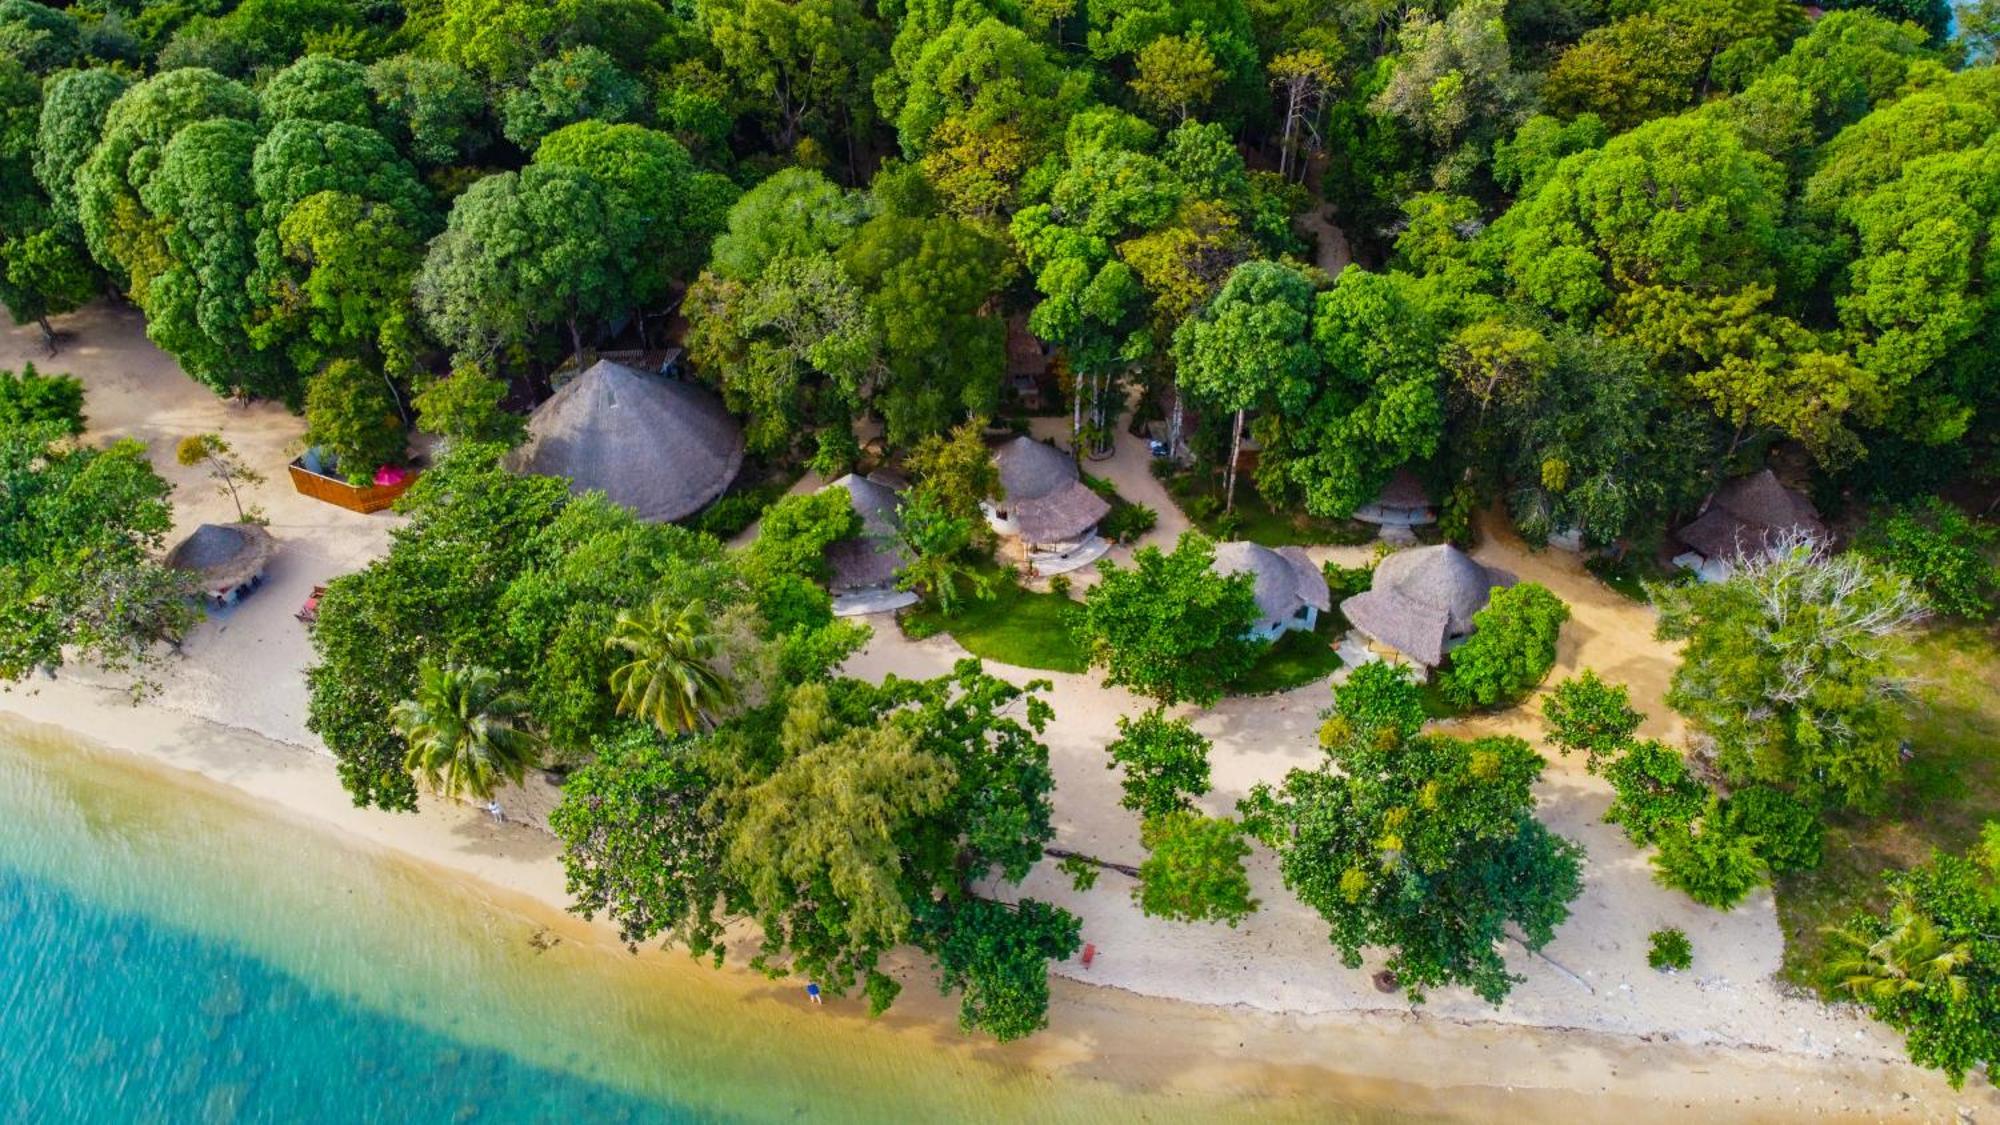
x=309, y=612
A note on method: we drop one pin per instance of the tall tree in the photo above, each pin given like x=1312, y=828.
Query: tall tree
x=1170, y=626
x=1249, y=347
x=465, y=731
x=673, y=680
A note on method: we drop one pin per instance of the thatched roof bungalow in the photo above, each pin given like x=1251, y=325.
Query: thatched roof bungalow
x=1291, y=592
x=227, y=559
x=1422, y=602
x=662, y=447
x=1403, y=503
x=1046, y=506
x=863, y=569
x=1746, y=519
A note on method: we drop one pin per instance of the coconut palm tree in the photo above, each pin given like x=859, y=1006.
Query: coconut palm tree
x=672, y=680
x=1908, y=956
x=465, y=731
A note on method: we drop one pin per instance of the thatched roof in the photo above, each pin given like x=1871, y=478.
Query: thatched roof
x=1422, y=599
x=662, y=447
x=876, y=556
x=1026, y=355
x=1748, y=515
x=224, y=555
x=1045, y=495
x=1284, y=580
x=1404, y=490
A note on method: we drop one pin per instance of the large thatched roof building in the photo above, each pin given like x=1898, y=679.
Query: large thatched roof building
x=662, y=447
x=1422, y=601
x=227, y=559
x=1745, y=519
x=863, y=568
x=1046, y=505
x=1291, y=592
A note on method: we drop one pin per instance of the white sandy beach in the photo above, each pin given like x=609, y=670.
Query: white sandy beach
x=1588, y=1020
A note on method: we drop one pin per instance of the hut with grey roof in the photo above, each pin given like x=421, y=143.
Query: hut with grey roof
x=662, y=447
x=1402, y=504
x=227, y=559
x=1046, y=507
x=863, y=568
x=1422, y=602
x=1747, y=518
x=1291, y=592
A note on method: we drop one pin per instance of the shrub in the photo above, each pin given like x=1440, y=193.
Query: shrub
x=1194, y=869
x=32, y=397
x=1165, y=761
x=1169, y=626
x=1128, y=522
x=1787, y=830
x=1585, y=713
x=1704, y=857
x=1946, y=555
x=466, y=406
x=1060, y=585
x=1671, y=950
x=1346, y=581
x=1512, y=648
x=1654, y=791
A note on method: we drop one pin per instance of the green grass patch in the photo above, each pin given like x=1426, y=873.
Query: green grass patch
x=1017, y=626
x=1200, y=497
x=1951, y=787
x=1295, y=659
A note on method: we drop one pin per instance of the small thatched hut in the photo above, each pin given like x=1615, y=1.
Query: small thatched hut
x=863, y=568
x=228, y=559
x=1046, y=506
x=1746, y=519
x=663, y=447
x=1291, y=592
x=1422, y=602
x=1402, y=504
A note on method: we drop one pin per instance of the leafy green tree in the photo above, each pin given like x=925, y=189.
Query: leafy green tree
x=1665, y=56
x=930, y=285
x=674, y=680
x=1165, y=763
x=320, y=88
x=642, y=843
x=1946, y=554
x=1176, y=75
x=466, y=732
x=1194, y=869
x=999, y=955
x=1791, y=668
x=1512, y=647
x=1249, y=348
x=795, y=212
x=809, y=64
x=1421, y=844
x=648, y=176
x=1454, y=85
x=1381, y=404
x=433, y=109
x=956, y=469
x=501, y=40
x=466, y=406
x=1787, y=830
x=229, y=471
x=939, y=542
x=74, y=106
x=1169, y=626
x=581, y=84
x=340, y=277
x=81, y=531
x=1930, y=967
x=353, y=414
x=32, y=398
x=1587, y=714
x=1654, y=792
x=795, y=531
x=39, y=37
x=521, y=251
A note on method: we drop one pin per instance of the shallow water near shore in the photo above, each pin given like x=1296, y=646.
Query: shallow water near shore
x=168, y=953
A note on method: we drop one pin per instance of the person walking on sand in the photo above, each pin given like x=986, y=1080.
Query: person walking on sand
x=812, y=992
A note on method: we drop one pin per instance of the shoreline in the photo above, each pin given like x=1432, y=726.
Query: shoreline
x=1387, y=1058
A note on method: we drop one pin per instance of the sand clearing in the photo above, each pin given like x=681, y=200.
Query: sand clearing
x=1589, y=1017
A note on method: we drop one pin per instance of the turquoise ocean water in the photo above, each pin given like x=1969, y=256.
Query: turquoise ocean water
x=170, y=952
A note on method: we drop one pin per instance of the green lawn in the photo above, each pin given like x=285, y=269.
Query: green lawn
x=1294, y=660
x=1201, y=499
x=1953, y=786
x=1018, y=626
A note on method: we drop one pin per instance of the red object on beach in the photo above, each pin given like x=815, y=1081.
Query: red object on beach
x=1089, y=954
x=389, y=476
x=309, y=613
